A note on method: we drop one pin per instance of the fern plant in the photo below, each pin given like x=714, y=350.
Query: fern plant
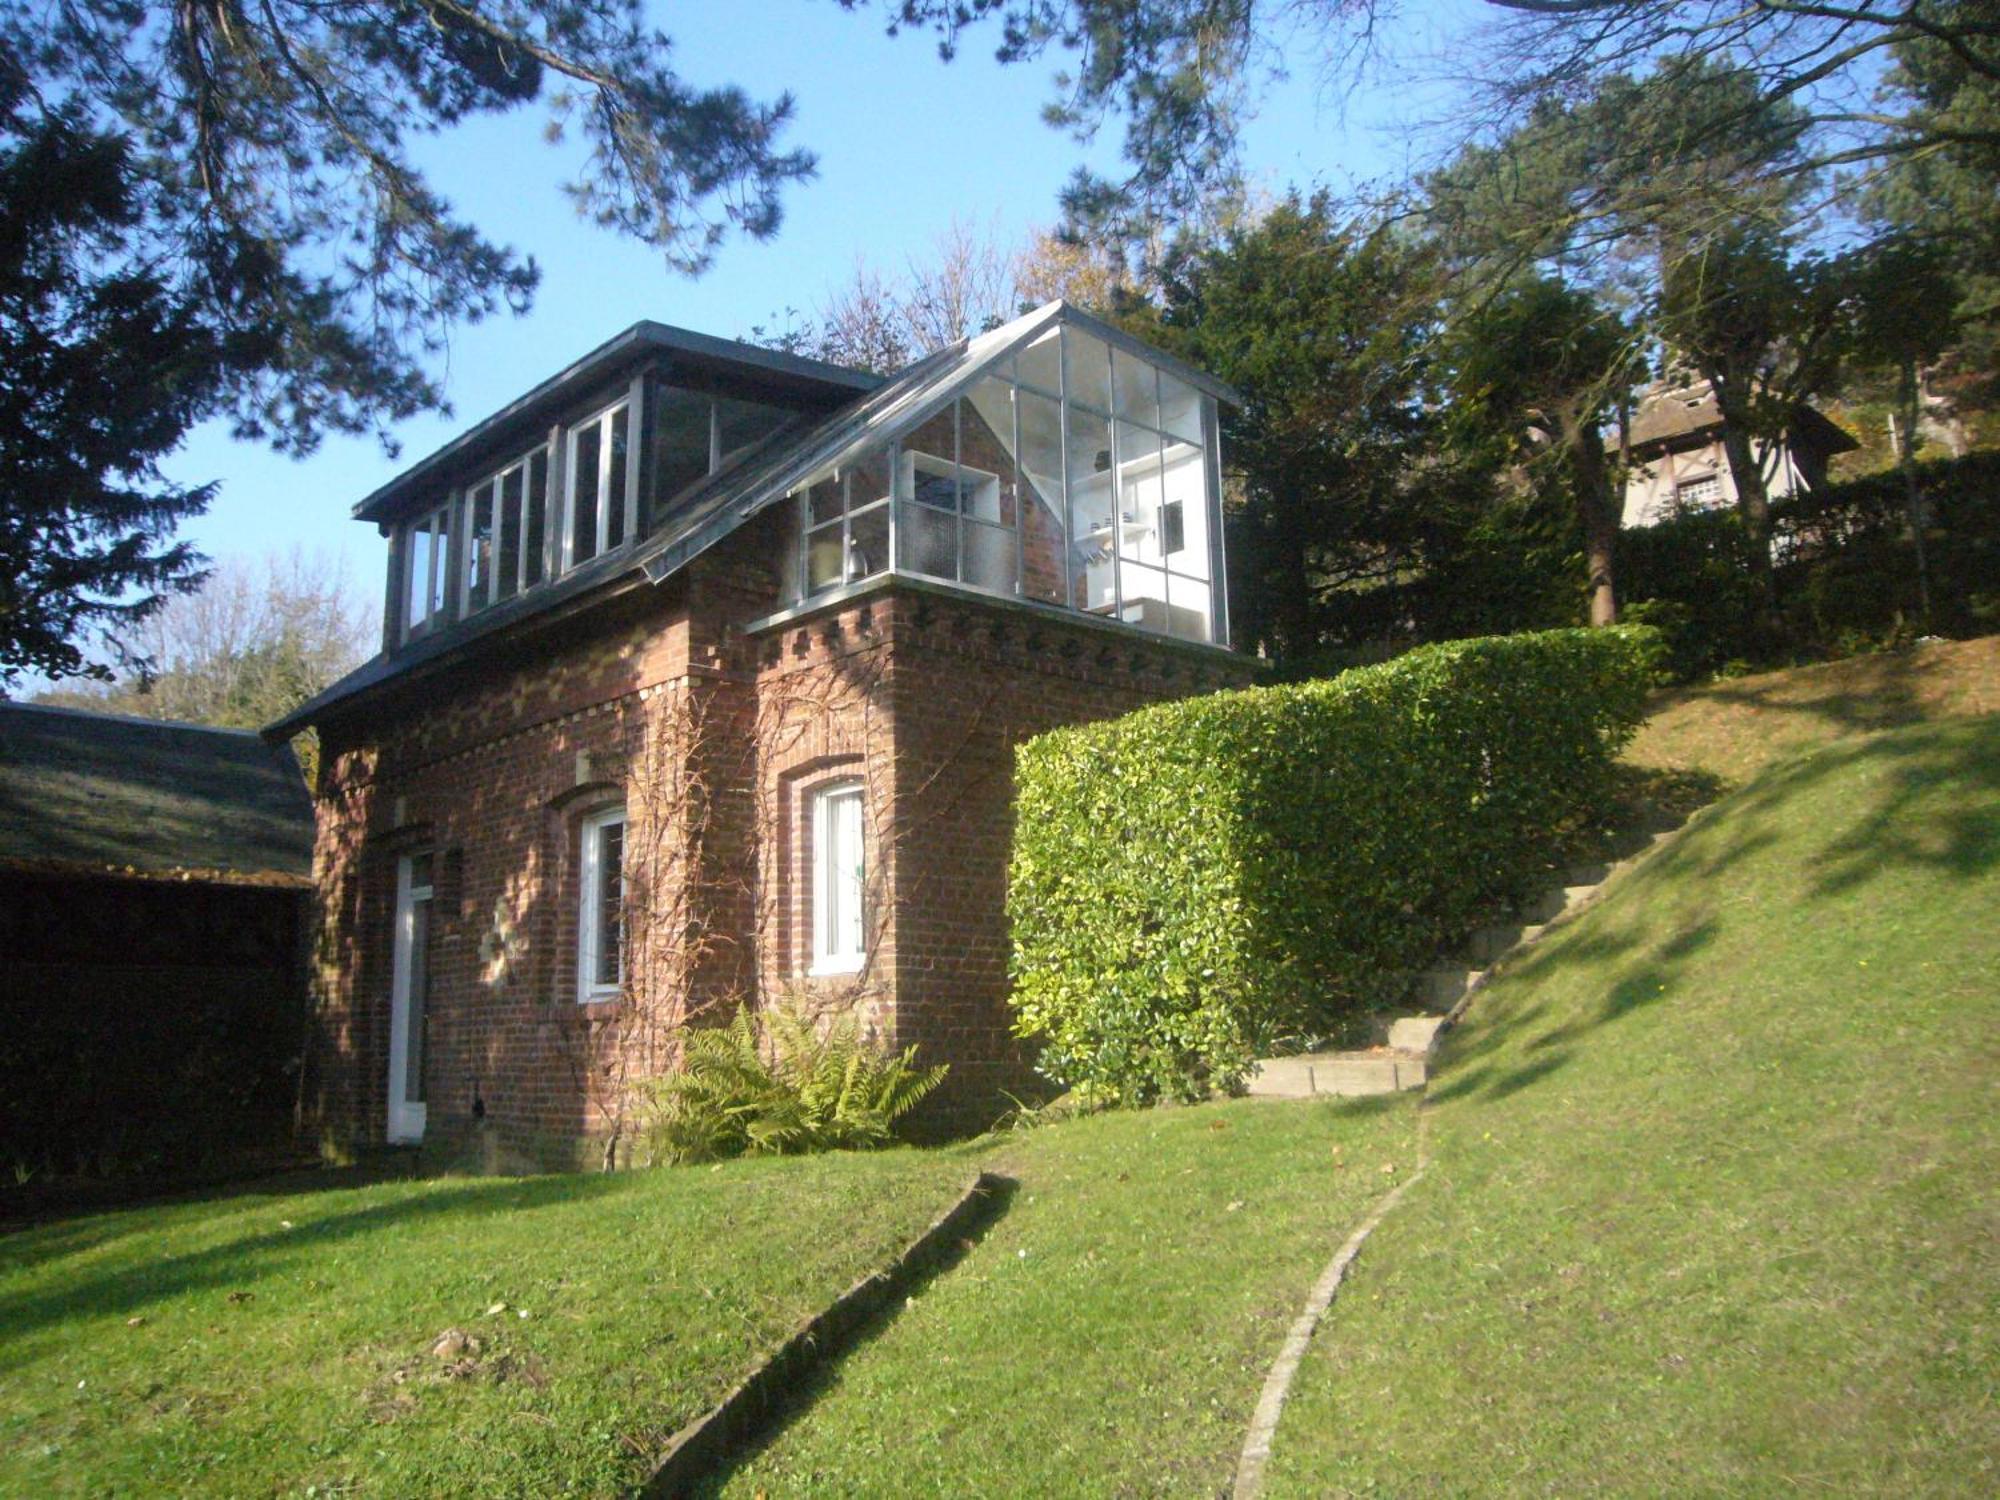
x=784, y=1089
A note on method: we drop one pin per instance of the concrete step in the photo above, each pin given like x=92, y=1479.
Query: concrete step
x=1416, y=1035
x=1488, y=943
x=1553, y=903
x=1336, y=1074
x=1442, y=988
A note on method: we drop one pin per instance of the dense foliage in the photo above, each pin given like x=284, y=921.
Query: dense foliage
x=1195, y=880
x=103, y=368
x=1846, y=576
x=786, y=1088
x=214, y=211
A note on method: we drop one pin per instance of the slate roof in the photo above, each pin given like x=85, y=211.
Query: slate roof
x=789, y=373
x=108, y=794
x=1667, y=414
x=709, y=509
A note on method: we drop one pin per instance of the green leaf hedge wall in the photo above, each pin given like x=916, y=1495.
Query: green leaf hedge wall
x=1195, y=880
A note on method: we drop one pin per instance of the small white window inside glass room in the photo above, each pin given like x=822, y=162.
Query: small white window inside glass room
x=600, y=924
x=839, y=880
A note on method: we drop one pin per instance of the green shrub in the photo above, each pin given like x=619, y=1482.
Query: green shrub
x=1193, y=881
x=741, y=1093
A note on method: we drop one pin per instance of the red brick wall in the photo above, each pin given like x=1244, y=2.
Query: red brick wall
x=919, y=695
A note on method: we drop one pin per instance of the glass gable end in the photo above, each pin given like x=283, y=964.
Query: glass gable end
x=1068, y=470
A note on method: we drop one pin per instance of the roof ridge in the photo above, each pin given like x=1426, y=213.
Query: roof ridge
x=70, y=711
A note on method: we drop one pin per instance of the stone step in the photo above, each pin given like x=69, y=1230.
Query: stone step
x=1336, y=1074
x=1415, y=1034
x=1489, y=943
x=1553, y=903
x=1594, y=874
x=1442, y=988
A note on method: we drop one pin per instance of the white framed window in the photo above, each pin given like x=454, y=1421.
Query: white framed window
x=839, y=880
x=1700, y=493
x=598, y=509
x=600, y=918
x=426, y=576
x=505, y=532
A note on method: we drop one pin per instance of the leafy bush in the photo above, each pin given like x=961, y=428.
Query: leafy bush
x=739, y=1093
x=1194, y=880
x=1845, y=574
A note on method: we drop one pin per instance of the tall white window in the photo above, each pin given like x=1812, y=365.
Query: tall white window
x=427, y=551
x=600, y=918
x=599, y=515
x=839, y=880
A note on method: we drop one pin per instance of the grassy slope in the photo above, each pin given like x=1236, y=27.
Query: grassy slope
x=272, y=1358
x=1110, y=1333
x=1736, y=728
x=1711, y=1206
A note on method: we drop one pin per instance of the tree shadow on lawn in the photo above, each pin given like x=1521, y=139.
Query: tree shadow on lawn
x=1906, y=826
x=1858, y=695
x=73, y=1228
x=127, y=1289
x=1475, y=1067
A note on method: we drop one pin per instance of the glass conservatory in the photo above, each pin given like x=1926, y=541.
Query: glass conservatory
x=1052, y=460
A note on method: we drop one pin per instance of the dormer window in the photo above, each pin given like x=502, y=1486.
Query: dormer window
x=426, y=575
x=599, y=516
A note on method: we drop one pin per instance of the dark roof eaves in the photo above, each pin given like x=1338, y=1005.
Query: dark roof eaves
x=737, y=498
x=69, y=711
x=642, y=337
x=614, y=573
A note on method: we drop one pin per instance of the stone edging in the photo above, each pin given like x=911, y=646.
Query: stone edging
x=1278, y=1383
x=698, y=1449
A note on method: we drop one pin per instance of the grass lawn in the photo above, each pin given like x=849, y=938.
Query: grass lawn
x=1710, y=1209
x=280, y=1345
x=1711, y=1206
x=1735, y=728
x=1110, y=1333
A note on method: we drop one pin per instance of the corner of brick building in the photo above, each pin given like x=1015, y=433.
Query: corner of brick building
x=662, y=697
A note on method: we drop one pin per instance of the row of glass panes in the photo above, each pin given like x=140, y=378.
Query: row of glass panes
x=951, y=518
x=506, y=544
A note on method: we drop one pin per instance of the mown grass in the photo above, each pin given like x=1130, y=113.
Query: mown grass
x=1110, y=1333
x=1710, y=1208
x=1731, y=730
x=281, y=1345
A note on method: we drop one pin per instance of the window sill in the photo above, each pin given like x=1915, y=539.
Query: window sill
x=837, y=968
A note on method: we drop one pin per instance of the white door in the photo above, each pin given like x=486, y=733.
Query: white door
x=409, y=992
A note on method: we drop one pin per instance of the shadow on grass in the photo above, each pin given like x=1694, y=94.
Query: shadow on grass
x=1857, y=695
x=130, y=1286
x=1921, y=801
x=797, y=1399
x=1476, y=1068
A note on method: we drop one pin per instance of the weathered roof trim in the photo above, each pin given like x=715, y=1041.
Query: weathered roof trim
x=640, y=339
x=600, y=578
x=1059, y=615
x=751, y=481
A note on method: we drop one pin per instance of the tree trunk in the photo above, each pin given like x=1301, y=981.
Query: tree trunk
x=1753, y=500
x=1599, y=514
x=1912, y=497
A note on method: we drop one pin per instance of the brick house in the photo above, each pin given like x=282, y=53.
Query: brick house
x=702, y=670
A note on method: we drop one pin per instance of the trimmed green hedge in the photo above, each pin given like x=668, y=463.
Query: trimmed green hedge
x=1195, y=880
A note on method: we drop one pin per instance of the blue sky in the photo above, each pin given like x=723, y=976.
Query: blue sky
x=904, y=142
